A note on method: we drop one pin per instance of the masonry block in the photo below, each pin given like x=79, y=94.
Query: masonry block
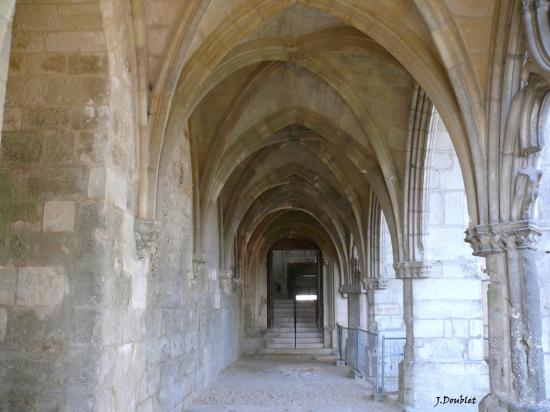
x=475, y=349
x=461, y=328
x=476, y=328
x=442, y=350
x=59, y=216
x=21, y=147
x=3, y=323
x=447, y=289
x=75, y=41
x=41, y=286
x=429, y=328
x=8, y=282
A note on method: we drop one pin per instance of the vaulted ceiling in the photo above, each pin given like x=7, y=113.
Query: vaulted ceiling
x=302, y=106
x=303, y=127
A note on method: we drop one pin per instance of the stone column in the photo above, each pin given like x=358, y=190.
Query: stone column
x=444, y=348
x=373, y=285
x=515, y=350
x=407, y=271
x=357, y=316
x=357, y=306
x=329, y=321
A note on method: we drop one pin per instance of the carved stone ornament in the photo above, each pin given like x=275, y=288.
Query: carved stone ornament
x=225, y=281
x=376, y=283
x=236, y=284
x=225, y=274
x=146, y=233
x=537, y=31
x=488, y=239
x=412, y=270
x=352, y=288
x=199, y=261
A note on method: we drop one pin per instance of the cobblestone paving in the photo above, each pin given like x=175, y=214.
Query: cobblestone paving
x=260, y=384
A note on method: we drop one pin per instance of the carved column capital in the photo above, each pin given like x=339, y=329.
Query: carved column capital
x=225, y=280
x=537, y=32
x=225, y=274
x=412, y=270
x=352, y=288
x=146, y=234
x=498, y=238
x=375, y=283
x=199, y=261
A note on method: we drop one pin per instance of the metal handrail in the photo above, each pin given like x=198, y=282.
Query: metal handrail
x=295, y=339
x=358, y=348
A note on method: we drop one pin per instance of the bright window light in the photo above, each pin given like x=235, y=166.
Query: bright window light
x=306, y=297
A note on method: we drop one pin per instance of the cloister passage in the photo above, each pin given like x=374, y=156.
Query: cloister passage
x=187, y=184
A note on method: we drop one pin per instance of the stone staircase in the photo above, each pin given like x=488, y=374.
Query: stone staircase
x=309, y=338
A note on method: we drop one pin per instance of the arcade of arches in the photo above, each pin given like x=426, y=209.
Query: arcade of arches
x=173, y=173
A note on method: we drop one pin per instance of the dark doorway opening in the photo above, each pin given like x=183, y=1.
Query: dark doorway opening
x=295, y=290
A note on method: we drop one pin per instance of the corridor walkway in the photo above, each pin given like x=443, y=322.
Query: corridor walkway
x=260, y=384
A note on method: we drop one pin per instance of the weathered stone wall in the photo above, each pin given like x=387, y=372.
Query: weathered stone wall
x=254, y=306
x=56, y=236
x=543, y=260
x=340, y=301
x=94, y=315
x=217, y=309
x=7, y=8
x=447, y=306
x=388, y=302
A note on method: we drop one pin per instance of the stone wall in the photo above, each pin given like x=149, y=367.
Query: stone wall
x=94, y=313
x=56, y=229
x=447, y=306
x=7, y=9
x=254, y=306
x=340, y=300
x=543, y=260
x=190, y=325
x=217, y=309
x=388, y=302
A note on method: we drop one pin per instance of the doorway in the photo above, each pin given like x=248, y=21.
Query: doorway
x=295, y=296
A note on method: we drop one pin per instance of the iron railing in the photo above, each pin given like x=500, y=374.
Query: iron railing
x=359, y=349
x=393, y=350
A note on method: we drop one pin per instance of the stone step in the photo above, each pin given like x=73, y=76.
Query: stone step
x=299, y=334
x=298, y=320
x=301, y=329
x=298, y=315
x=319, y=353
x=291, y=310
x=302, y=319
x=290, y=340
x=298, y=346
x=298, y=302
x=290, y=325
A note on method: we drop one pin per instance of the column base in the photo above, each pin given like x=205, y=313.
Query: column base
x=493, y=403
x=424, y=385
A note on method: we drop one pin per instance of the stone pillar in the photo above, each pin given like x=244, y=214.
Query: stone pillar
x=444, y=329
x=357, y=306
x=515, y=349
x=374, y=286
x=329, y=321
x=357, y=316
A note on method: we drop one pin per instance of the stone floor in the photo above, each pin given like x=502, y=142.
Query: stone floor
x=263, y=384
